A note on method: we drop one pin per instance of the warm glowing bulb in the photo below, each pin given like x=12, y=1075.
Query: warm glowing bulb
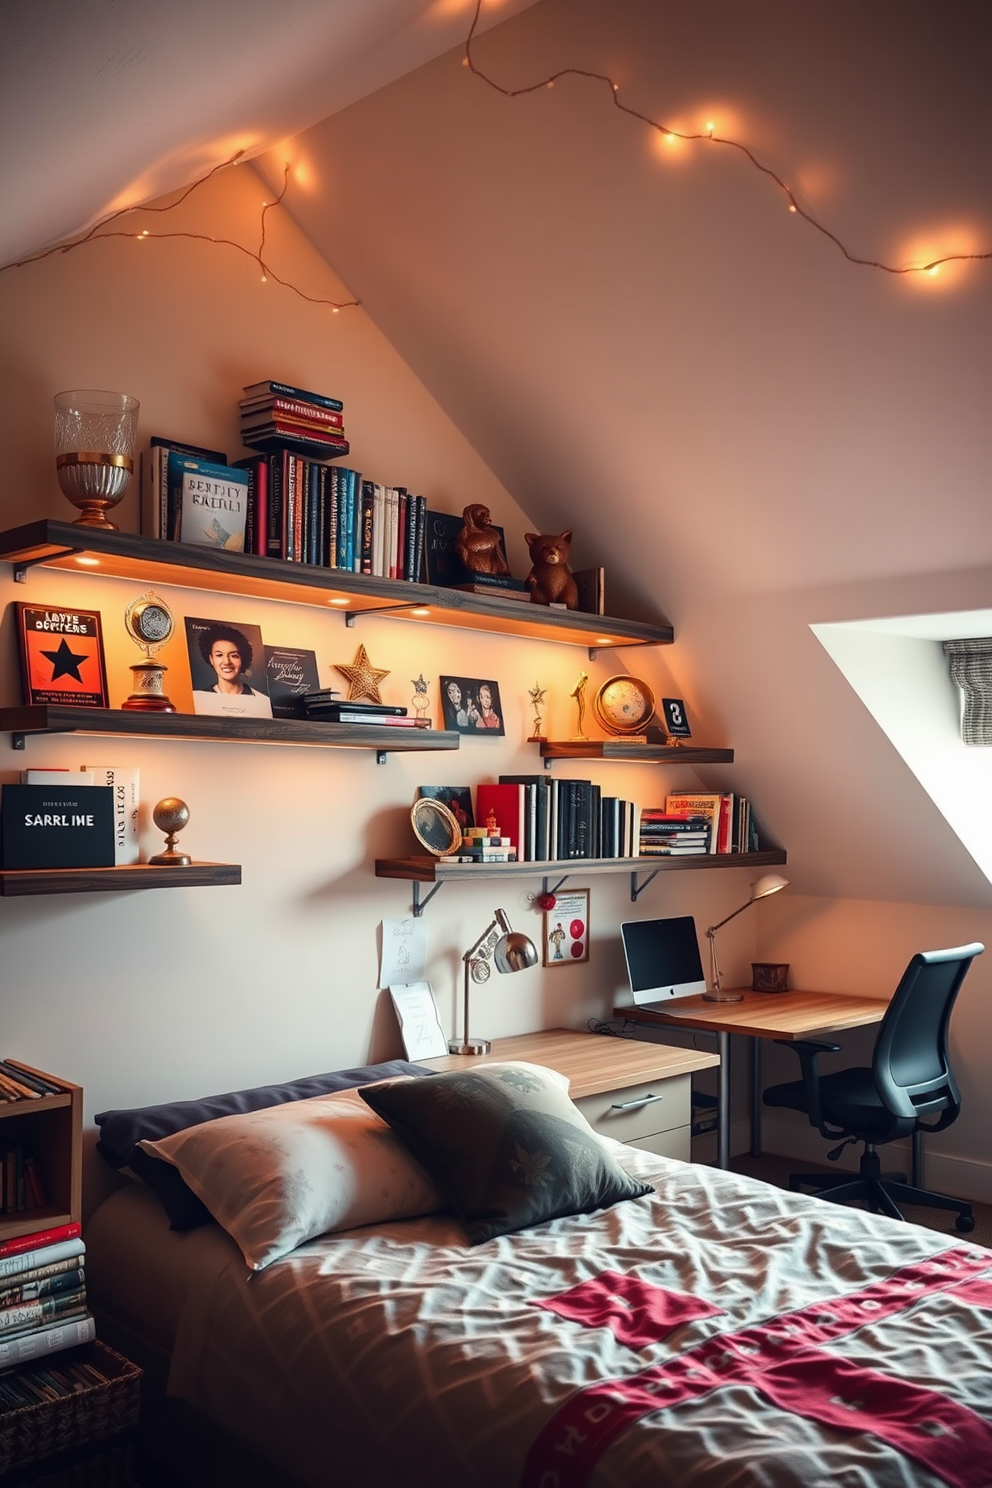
x=934, y=269
x=793, y=207
x=89, y=562
x=603, y=641
x=335, y=309
x=671, y=139
x=420, y=611
x=264, y=280
x=710, y=127
x=616, y=87
x=550, y=83
x=465, y=62
x=339, y=601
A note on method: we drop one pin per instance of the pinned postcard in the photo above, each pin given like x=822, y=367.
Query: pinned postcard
x=404, y=951
x=416, y=1013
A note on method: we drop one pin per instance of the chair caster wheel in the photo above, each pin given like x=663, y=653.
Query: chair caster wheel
x=964, y=1223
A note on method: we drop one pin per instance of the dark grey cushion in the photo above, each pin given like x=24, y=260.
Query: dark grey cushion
x=120, y=1131
x=505, y=1144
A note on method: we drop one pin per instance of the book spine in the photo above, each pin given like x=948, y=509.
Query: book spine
x=291, y=409
x=274, y=543
x=124, y=784
x=401, y=513
x=25, y=1317
x=64, y=1276
x=284, y=389
x=46, y=1340
x=39, y=1240
x=379, y=531
x=368, y=514
x=354, y=521
x=18, y=1262
x=299, y=507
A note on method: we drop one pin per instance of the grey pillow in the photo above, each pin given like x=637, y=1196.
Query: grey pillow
x=505, y=1144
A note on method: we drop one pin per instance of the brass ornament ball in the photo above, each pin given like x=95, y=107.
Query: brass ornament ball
x=171, y=815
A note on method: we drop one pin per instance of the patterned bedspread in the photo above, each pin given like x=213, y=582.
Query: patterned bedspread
x=721, y=1334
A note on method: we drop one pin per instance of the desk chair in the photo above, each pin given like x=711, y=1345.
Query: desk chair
x=910, y=1078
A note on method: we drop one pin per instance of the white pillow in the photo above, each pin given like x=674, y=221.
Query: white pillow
x=277, y=1177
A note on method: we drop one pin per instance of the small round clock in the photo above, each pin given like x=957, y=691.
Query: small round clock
x=624, y=705
x=149, y=622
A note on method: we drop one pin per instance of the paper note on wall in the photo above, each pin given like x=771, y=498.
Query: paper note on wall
x=416, y=1013
x=404, y=951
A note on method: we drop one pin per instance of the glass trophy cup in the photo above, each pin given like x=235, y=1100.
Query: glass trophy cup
x=95, y=434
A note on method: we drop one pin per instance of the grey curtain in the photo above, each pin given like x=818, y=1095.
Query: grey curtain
x=971, y=669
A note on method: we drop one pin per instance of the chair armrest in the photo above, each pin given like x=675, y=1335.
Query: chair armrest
x=807, y=1052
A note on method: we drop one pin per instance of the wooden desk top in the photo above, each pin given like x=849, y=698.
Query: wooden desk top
x=772, y=1015
x=592, y=1062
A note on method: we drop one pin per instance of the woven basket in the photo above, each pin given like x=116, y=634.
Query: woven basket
x=37, y=1431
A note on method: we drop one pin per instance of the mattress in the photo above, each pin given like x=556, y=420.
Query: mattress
x=719, y=1334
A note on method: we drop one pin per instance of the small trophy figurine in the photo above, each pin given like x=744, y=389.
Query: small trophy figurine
x=537, y=694
x=148, y=621
x=170, y=816
x=420, y=700
x=578, y=693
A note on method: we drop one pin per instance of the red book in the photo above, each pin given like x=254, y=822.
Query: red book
x=39, y=1238
x=307, y=413
x=507, y=802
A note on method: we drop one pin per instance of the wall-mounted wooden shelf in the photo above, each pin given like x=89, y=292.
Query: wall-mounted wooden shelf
x=18, y=882
x=436, y=871
x=642, y=754
x=149, y=561
x=57, y=718
x=51, y=1128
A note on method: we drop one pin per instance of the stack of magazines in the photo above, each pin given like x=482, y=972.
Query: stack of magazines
x=42, y=1295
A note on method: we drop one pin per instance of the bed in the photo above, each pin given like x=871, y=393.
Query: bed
x=712, y=1331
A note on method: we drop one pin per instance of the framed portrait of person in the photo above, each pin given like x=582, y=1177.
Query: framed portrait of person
x=471, y=705
x=227, y=668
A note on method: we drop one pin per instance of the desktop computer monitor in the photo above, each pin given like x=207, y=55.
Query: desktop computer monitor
x=662, y=960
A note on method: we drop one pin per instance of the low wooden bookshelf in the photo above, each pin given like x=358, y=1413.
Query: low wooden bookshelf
x=51, y=1128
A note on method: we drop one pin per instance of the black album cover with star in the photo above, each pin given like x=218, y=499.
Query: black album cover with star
x=62, y=656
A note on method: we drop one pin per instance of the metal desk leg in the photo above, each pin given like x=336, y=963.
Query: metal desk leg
x=755, y=1097
x=723, y=1102
x=917, y=1176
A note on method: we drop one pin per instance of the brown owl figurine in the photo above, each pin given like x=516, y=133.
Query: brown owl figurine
x=550, y=579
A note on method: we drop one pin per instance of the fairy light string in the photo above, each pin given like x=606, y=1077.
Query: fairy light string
x=98, y=233
x=710, y=137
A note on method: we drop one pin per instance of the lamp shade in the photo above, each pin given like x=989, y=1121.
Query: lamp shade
x=769, y=883
x=514, y=952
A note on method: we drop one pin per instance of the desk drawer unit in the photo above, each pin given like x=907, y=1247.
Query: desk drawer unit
x=656, y=1115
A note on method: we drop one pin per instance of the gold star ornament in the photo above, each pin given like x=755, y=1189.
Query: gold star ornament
x=363, y=677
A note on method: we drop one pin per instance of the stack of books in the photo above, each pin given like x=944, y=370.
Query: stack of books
x=330, y=707
x=485, y=845
x=671, y=833
x=276, y=416
x=43, y=1295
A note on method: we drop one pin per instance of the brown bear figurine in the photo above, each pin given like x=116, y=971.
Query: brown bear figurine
x=479, y=545
x=550, y=579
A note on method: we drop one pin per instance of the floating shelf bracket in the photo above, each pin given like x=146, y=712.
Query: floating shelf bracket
x=17, y=741
x=637, y=889
x=21, y=568
x=564, y=879
x=419, y=905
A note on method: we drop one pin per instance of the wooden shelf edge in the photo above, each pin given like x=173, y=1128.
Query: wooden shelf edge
x=20, y=882
x=59, y=718
x=59, y=543
x=437, y=870
x=623, y=749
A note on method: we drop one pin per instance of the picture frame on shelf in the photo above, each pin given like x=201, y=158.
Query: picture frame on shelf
x=566, y=929
x=471, y=705
x=227, y=668
x=62, y=659
x=457, y=798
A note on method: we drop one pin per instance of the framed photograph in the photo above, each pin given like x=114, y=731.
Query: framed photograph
x=471, y=705
x=62, y=657
x=227, y=667
x=457, y=798
x=566, y=929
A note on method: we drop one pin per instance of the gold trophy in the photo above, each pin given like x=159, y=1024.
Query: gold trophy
x=149, y=623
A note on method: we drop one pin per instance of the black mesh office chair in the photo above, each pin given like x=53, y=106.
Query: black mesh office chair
x=910, y=1080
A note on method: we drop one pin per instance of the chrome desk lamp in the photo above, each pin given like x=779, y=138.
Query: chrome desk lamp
x=510, y=951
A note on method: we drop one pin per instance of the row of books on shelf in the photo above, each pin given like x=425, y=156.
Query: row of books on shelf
x=21, y=1183
x=546, y=819
x=43, y=1305
x=20, y=1084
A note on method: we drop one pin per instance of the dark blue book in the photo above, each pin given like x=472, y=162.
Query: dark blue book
x=284, y=390
x=51, y=826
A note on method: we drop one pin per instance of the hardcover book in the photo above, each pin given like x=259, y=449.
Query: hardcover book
x=213, y=505
x=291, y=673
x=154, y=480
x=62, y=656
x=45, y=826
x=123, y=781
x=286, y=390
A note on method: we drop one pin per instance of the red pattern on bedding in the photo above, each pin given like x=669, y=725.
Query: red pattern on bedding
x=786, y=1360
x=636, y=1312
